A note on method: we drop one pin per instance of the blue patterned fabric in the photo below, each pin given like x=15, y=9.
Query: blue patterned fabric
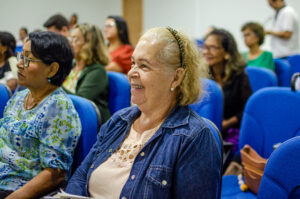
x=31, y=140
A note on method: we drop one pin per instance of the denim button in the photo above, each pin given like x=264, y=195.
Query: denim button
x=132, y=177
x=110, y=150
x=123, y=197
x=164, y=182
x=142, y=154
x=92, y=166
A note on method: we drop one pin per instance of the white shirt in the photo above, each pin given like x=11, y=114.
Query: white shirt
x=287, y=20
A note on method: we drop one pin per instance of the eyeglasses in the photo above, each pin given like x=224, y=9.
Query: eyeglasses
x=109, y=25
x=212, y=48
x=25, y=60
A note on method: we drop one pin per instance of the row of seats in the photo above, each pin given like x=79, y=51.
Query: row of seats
x=271, y=116
x=281, y=178
x=210, y=104
x=285, y=68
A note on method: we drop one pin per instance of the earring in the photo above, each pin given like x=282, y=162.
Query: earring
x=172, y=89
x=49, y=79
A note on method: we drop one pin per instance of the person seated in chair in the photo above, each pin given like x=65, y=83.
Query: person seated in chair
x=120, y=49
x=8, y=61
x=40, y=127
x=254, y=36
x=159, y=148
x=227, y=68
x=88, y=78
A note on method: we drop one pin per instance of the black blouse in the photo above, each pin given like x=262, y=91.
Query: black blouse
x=236, y=93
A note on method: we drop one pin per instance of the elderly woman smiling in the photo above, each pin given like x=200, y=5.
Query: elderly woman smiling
x=40, y=127
x=159, y=148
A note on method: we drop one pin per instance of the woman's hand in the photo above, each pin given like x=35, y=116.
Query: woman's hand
x=40, y=185
x=226, y=124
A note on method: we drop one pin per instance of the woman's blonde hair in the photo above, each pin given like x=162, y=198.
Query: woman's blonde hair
x=180, y=51
x=94, y=49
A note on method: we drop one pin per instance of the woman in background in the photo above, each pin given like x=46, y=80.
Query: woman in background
x=227, y=68
x=254, y=36
x=120, y=49
x=73, y=21
x=8, y=61
x=88, y=77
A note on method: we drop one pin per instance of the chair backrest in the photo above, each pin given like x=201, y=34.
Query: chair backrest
x=210, y=104
x=119, y=91
x=271, y=116
x=214, y=129
x=281, y=177
x=90, y=123
x=283, y=72
x=294, y=61
x=5, y=94
x=260, y=78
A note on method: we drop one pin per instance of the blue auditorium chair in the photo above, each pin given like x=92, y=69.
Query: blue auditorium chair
x=260, y=78
x=271, y=116
x=210, y=104
x=294, y=61
x=281, y=178
x=119, y=91
x=90, y=124
x=5, y=94
x=219, y=139
x=283, y=72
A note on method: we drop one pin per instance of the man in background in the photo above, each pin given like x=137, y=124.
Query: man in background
x=59, y=24
x=284, y=33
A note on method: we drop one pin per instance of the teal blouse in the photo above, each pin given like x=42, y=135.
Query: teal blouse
x=265, y=60
x=31, y=140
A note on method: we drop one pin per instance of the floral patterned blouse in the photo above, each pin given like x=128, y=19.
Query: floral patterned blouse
x=31, y=140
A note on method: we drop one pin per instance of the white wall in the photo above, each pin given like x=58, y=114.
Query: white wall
x=192, y=16
x=33, y=13
x=196, y=16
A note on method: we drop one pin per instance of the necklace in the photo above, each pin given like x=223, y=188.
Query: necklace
x=34, y=103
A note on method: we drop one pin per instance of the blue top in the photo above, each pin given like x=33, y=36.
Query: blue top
x=181, y=160
x=31, y=140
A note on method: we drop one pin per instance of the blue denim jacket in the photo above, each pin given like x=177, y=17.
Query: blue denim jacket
x=181, y=160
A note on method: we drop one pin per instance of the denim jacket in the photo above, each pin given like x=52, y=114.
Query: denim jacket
x=181, y=160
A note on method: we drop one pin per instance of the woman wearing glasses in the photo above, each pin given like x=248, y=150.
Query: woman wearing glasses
x=88, y=77
x=40, y=127
x=227, y=69
x=120, y=49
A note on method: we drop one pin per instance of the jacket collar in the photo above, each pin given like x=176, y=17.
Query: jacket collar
x=178, y=116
